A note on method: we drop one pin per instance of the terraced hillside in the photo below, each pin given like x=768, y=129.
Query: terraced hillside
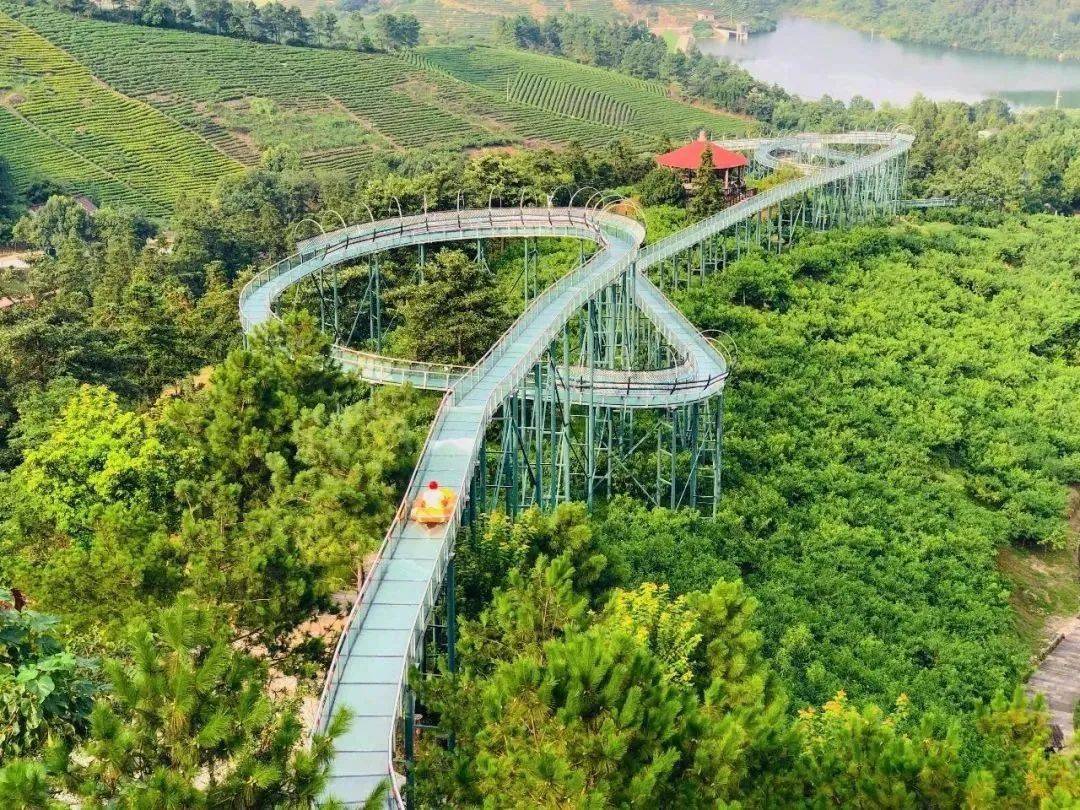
x=567, y=88
x=341, y=109
x=57, y=121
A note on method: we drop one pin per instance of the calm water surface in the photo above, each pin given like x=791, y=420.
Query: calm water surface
x=813, y=59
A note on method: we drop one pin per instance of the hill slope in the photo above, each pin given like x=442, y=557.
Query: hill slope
x=1032, y=27
x=456, y=21
x=343, y=109
x=576, y=91
x=57, y=121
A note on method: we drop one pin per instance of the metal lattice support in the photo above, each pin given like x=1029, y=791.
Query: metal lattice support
x=545, y=447
x=528, y=423
x=547, y=452
x=357, y=320
x=369, y=311
x=847, y=201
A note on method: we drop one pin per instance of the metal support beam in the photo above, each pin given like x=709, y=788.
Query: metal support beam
x=410, y=735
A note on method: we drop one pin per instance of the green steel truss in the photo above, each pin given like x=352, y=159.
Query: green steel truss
x=544, y=447
x=589, y=400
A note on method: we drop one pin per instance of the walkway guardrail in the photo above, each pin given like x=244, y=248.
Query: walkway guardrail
x=476, y=393
x=365, y=591
x=930, y=202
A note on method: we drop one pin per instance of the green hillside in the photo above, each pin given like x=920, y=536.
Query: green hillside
x=58, y=122
x=568, y=88
x=342, y=109
x=455, y=21
x=1044, y=28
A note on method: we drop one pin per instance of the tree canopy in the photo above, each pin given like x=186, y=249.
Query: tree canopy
x=46, y=692
x=570, y=692
x=260, y=492
x=454, y=313
x=186, y=722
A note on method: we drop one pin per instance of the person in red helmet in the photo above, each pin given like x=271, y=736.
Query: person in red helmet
x=434, y=505
x=432, y=497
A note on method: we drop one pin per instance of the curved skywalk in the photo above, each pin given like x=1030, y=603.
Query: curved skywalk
x=385, y=630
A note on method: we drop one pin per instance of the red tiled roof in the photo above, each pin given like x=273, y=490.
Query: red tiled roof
x=689, y=157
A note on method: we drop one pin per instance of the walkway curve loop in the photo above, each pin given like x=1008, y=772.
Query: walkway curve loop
x=385, y=629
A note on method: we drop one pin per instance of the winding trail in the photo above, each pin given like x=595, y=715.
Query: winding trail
x=385, y=631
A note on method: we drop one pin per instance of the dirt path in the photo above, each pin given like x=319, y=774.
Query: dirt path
x=1058, y=678
x=1058, y=674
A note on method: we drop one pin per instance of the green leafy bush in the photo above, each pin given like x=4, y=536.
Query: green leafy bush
x=46, y=692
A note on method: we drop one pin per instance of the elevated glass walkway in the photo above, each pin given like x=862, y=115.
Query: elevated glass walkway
x=385, y=630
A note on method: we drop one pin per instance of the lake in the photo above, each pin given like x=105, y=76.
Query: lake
x=812, y=59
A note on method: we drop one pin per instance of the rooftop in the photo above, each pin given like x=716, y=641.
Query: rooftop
x=689, y=156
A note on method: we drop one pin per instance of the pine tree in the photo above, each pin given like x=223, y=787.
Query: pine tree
x=708, y=192
x=455, y=314
x=863, y=758
x=552, y=709
x=188, y=723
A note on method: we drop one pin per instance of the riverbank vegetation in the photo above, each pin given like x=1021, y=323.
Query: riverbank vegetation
x=633, y=49
x=1043, y=28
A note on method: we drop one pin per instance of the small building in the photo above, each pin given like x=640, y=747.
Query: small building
x=687, y=159
x=740, y=32
x=725, y=27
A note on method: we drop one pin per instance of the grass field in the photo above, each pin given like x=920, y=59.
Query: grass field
x=198, y=105
x=57, y=121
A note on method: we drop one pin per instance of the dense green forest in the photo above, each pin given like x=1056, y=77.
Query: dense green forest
x=183, y=513
x=183, y=524
x=851, y=567
x=1049, y=28
x=906, y=408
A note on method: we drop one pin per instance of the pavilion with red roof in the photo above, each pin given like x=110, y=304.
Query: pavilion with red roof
x=687, y=159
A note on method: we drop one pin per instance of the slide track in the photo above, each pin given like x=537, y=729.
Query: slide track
x=384, y=634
